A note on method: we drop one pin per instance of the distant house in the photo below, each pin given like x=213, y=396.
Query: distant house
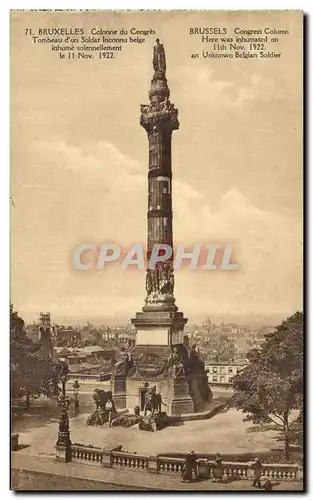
x=99, y=355
x=91, y=360
x=65, y=335
x=243, y=346
x=221, y=374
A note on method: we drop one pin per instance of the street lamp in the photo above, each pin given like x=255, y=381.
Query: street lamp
x=64, y=432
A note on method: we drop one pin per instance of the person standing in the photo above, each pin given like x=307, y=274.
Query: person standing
x=257, y=466
x=76, y=405
x=186, y=471
x=218, y=470
x=109, y=408
x=192, y=457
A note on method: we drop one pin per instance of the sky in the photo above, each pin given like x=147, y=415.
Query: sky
x=79, y=163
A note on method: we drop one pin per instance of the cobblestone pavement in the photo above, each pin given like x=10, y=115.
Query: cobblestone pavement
x=51, y=473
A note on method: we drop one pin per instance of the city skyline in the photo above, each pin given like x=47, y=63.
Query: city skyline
x=97, y=321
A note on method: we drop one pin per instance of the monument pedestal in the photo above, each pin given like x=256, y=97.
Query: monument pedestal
x=180, y=401
x=118, y=387
x=175, y=393
x=158, y=331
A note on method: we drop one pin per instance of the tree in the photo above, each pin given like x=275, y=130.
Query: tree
x=270, y=388
x=32, y=373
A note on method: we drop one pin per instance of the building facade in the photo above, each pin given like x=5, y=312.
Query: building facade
x=221, y=374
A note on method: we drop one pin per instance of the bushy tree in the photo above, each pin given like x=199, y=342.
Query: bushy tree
x=32, y=373
x=270, y=388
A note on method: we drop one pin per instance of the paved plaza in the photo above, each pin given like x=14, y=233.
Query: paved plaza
x=34, y=465
x=224, y=433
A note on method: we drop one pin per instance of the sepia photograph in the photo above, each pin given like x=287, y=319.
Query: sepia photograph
x=156, y=250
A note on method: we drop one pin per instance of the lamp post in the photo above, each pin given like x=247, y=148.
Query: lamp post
x=63, y=445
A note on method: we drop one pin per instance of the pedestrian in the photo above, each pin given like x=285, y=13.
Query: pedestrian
x=76, y=403
x=257, y=466
x=112, y=412
x=192, y=457
x=110, y=418
x=218, y=469
x=186, y=471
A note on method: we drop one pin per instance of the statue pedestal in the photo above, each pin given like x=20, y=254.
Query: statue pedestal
x=174, y=392
x=118, y=384
x=159, y=329
x=180, y=401
x=159, y=334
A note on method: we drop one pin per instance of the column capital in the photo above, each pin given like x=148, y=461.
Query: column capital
x=159, y=117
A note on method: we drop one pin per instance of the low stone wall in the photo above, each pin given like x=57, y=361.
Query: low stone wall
x=14, y=442
x=116, y=458
x=204, y=415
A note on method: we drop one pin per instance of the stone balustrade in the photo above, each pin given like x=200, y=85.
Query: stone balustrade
x=284, y=472
x=170, y=465
x=244, y=470
x=90, y=455
x=116, y=458
x=87, y=376
x=124, y=459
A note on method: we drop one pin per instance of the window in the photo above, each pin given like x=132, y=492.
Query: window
x=222, y=369
x=230, y=369
x=230, y=380
x=222, y=379
x=214, y=369
x=165, y=221
x=214, y=379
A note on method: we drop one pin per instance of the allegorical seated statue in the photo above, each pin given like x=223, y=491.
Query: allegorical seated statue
x=123, y=365
x=175, y=364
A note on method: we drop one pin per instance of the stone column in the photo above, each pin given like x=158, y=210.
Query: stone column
x=160, y=324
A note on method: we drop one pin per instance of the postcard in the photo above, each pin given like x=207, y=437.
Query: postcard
x=156, y=309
